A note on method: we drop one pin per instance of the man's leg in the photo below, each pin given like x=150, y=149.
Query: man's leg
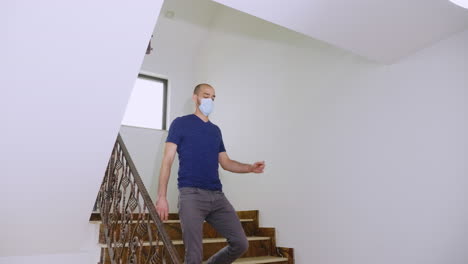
x=225, y=220
x=193, y=208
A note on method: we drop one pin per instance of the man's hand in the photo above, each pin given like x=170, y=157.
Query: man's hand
x=258, y=167
x=162, y=207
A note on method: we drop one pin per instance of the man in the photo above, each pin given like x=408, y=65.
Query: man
x=200, y=147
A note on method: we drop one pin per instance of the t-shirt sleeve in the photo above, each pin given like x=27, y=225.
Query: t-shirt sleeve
x=175, y=132
x=221, y=144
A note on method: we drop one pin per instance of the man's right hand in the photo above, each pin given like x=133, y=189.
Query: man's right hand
x=162, y=207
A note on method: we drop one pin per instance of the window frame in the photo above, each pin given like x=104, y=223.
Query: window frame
x=165, y=82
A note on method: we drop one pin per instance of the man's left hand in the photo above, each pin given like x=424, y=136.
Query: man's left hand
x=258, y=167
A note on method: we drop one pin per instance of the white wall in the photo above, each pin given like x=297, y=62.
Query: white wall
x=89, y=252
x=75, y=258
x=176, y=44
x=365, y=163
x=146, y=148
x=67, y=71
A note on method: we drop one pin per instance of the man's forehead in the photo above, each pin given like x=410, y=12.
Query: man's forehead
x=208, y=89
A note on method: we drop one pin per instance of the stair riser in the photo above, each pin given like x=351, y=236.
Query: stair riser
x=256, y=249
x=174, y=216
x=174, y=231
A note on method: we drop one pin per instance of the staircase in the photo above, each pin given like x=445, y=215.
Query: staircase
x=262, y=243
x=131, y=231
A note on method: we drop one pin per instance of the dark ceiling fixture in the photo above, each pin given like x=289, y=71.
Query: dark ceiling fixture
x=149, y=48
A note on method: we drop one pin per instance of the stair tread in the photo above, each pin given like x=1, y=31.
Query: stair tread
x=165, y=222
x=260, y=260
x=205, y=241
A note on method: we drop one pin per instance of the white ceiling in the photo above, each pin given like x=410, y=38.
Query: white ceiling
x=381, y=30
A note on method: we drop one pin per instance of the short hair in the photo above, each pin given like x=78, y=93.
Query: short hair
x=199, y=86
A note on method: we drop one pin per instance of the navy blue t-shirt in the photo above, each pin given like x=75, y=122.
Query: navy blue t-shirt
x=198, y=145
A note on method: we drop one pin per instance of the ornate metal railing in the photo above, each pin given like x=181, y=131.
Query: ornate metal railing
x=133, y=231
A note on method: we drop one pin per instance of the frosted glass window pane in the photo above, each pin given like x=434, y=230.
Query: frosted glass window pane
x=145, y=106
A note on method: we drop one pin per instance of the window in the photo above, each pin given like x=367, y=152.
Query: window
x=147, y=104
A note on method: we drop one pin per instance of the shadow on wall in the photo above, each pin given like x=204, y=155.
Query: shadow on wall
x=172, y=191
x=188, y=106
x=153, y=186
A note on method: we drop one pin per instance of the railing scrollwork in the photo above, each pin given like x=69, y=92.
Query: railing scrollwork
x=133, y=231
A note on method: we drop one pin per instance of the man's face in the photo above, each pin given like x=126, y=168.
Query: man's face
x=204, y=92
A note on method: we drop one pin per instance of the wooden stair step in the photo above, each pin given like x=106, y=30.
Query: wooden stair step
x=205, y=241
x=249, y=221
x=262, y=244
x=177, y=221
x=258, y=246
x=261, y=260
x=174, y=229
x=249, y=214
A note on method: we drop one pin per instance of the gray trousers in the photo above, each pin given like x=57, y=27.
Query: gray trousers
x=197, y=205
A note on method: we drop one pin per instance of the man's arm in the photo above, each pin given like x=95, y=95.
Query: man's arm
x=162, y=206
x=237, y=167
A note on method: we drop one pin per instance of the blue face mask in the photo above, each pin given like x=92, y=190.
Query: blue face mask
x=206, y=106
